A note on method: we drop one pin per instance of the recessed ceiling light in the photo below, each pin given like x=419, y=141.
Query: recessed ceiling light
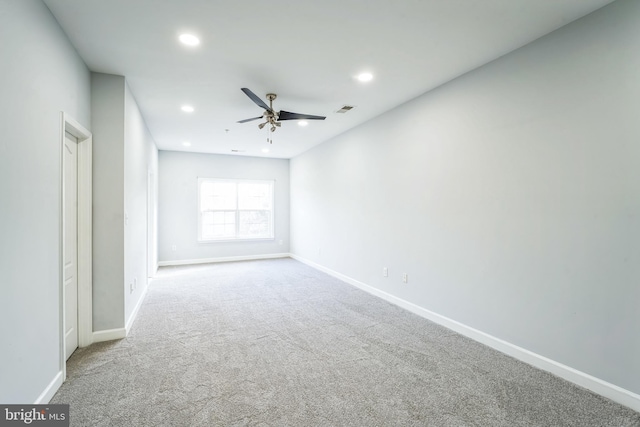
x=186, y=144
x=365, y=77
x=303, y=123
x=265, y=150
x=189, y=39
x=187, y=108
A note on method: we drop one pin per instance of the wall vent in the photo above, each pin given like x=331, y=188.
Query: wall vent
x=345, y=109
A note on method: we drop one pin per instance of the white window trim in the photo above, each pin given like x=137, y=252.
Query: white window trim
x=272, y=182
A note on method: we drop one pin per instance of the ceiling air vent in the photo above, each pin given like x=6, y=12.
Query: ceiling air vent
x=345, y=109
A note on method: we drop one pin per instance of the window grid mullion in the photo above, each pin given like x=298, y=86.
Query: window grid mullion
x=237, y=213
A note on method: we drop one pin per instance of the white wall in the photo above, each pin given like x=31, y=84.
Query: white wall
x=511, y=197
x=140, y=161
x=40, y=76
x=108, y=125
x=178, y=204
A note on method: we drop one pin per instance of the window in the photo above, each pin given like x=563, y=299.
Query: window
x=234, y=209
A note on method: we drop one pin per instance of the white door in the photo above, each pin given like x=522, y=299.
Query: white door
x=70, y=230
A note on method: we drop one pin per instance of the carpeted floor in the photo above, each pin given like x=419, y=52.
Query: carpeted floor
x=277, y=343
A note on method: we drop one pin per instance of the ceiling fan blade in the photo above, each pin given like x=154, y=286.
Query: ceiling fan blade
x=249, y=120
x=286, y=115
x=255, y=98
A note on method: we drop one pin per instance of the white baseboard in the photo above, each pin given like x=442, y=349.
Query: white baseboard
x=603, y=388
x=109, y=335
x=134, y=314
x=46, y=396
x=222, y=259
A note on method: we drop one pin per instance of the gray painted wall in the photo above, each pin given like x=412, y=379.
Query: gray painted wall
x=108, y=125
x=140, y=161
x=40, y=76
x=124, y=153
x=177, y=205
x=510, y=196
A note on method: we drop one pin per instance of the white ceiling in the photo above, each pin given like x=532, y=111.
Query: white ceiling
x=307, y=52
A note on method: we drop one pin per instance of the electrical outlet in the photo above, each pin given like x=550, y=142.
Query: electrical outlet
x=405, y=277
x=319, y=251
x=130, y=288
x=174, y=248
x=385, y=271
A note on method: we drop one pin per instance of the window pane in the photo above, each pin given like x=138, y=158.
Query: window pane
x=217, y=195
x=235, y=209
x=206, y=196
x=207, y=217
x=255, y=224
x=254, y=195
x=219, y=225
x=207, y=225
x=218, y=231
x=218, y=217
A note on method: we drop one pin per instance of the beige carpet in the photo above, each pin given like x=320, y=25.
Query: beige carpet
x=276, y=343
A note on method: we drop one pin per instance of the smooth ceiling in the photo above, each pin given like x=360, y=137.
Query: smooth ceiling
x=306, y=52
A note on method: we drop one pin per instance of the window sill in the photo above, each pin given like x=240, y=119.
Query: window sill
x=207, y=242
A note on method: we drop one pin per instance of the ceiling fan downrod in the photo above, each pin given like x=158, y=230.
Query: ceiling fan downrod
x=271, y=115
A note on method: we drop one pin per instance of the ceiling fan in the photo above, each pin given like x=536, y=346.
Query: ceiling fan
x=272, y=116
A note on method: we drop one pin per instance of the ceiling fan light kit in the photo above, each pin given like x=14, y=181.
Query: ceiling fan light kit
x=273, y=117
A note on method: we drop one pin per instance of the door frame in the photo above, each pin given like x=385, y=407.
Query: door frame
x=84, y=224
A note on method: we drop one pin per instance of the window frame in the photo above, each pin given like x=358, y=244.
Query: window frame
x=199, y=213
